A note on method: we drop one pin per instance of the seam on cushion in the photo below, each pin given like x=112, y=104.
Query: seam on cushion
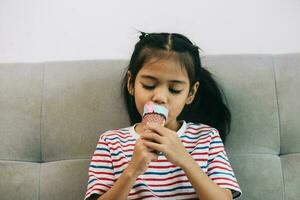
x=279, y=125
x=277, y=102
x=39, y=186
x=42, y=113
x=283, y=180
x=69, y=159
x=41, y=123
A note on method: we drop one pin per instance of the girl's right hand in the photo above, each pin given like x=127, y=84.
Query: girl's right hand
x=141, y=158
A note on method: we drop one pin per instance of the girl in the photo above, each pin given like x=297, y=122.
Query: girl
x=185, y=159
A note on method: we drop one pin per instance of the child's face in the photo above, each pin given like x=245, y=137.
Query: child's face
x=163, y=82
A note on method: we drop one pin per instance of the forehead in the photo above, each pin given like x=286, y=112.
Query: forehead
x=166, y=69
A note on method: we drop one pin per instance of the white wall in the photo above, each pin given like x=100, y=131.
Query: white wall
x=43, y=30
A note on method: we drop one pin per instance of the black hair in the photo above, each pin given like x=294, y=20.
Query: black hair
x=208, y=106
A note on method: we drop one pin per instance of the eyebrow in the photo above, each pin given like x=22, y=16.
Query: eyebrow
x=155, y=79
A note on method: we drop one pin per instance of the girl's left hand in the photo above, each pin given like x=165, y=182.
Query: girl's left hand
x=164, y=140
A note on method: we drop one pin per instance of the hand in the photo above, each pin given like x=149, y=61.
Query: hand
x=164, y=140
x=142, y=156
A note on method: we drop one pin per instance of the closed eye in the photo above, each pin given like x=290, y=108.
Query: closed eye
x=148, y=87
x=151, y=87
x=174, y=91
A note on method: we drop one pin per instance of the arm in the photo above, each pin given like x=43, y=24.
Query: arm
x=141, y=158
x=204, y=186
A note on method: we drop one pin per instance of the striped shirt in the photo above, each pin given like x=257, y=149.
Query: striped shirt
x=162, y=179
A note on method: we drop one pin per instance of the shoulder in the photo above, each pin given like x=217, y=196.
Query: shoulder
x=120, y=133
x=200, y=129
x=201, y=132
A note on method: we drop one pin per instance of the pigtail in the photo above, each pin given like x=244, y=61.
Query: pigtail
x=209, y=105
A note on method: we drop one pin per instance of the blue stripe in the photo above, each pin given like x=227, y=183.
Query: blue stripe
x=103, y=149
x=197, y=136
x=219, y=156
x=164, y=190
x=123, y=141
x=204, y=147
x=216, y=142
x=118, y=172
x=121, y=152
x=154, y=173
x=191, y=138
x=92, y=181
x=215, y=173
x=117, y=153
x=163, y=173
x=101, y=167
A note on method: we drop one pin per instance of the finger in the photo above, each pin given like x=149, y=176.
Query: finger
x=155, y=127
x=151, y=136
x=155, y=146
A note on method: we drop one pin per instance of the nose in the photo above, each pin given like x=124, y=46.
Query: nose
x=160, y=96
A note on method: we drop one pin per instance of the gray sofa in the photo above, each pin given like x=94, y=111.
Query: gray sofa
x=51, y=115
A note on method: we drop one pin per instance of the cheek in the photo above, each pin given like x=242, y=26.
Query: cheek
x=177, y=106
x=140, y=99
x=176, y=111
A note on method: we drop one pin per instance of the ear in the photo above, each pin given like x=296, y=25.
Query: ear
x=130, y=86
x=192, y=93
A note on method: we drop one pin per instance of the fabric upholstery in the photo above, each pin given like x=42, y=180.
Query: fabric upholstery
x=51, y=115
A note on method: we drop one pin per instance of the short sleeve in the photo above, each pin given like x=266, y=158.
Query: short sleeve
x=219, y=169
x=100, y=175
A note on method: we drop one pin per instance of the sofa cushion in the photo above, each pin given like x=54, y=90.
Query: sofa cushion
x=20, y=108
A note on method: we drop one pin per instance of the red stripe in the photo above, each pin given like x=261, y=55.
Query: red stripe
x=223, y=178
x=122, y=144
x=118, y=147
x=228, y=184
x=100, y=142
x=215, y=153
x=104, y=161
x=218, y=161
x=120, y=165
x=202, y=142
x=161, y=167
x=188, y=142
x=106, y=179
x=168, y=184
x=161, y=179
x=199, y=153
x=219, y=167
x=158, y=195
x=200, y=133
x=101, y=154
x=201, y=159
x=140, y=191
x=215, y=137
x=102, y=178
x=116, y=160
x=202, y=128
x=106, y=173
x=178, y=194
x=216, y=147
x=121, y=135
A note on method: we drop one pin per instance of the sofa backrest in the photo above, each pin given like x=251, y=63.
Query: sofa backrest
x=52, y=113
